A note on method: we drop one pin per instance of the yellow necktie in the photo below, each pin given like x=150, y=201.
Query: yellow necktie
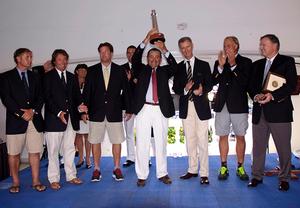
x=106, y=77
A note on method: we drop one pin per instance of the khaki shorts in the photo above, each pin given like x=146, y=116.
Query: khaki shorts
x=31, y=138
x=114, y=130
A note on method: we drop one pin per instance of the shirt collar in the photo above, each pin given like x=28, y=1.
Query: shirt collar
x=106, y=67
x=59, y=72
x=192, y=60
x=272, y=59
x=20, y=71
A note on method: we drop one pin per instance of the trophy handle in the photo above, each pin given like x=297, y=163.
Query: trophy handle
x=154, y=19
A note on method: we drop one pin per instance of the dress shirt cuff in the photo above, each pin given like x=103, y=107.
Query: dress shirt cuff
x=233, y=67
x=59, y=113
x=167, y=54
x=220, y=70
x=185, y=92
x=142, y=45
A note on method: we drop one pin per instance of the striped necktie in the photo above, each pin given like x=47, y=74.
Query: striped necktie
x=189, y=78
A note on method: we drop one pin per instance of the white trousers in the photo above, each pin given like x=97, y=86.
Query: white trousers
x=63, y=141
x=196, y=134
x=151, y=115
x=130, y=143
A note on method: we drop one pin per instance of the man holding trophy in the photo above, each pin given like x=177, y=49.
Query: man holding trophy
x=153, y=105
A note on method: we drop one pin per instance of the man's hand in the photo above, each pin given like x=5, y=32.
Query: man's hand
x=48, y=66
x=28, y=114
x=222, y=59
x=199, y=90
x=127, y=116
x=267, y=98
x=259, y=97
x=62, y=117
x=128, y=73
x=82, y=108
x=85, y=117
x=231, y=57
x=161, y=45
x=189, y=85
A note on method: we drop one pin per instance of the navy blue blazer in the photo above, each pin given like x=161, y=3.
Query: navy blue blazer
x=14, y=98
x=280, y=109
x=58, y=98
x=201, y=74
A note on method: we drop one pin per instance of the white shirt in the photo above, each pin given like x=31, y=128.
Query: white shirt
x=149, y=95
x=64, y=72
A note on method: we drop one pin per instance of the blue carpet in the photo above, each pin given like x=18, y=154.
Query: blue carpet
x=109, y=193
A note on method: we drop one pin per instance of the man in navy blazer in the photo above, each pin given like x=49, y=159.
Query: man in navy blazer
x=62, y=106
x=192, y=82
x=23, y=99
x=272, y=110
x=105, y=84
x=232, y=73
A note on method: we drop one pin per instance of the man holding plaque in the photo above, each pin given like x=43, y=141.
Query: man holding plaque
x=153, y=105
x=232, y=73
x=272, y=110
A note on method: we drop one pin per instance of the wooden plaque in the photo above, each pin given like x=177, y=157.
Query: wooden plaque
x=273, y=82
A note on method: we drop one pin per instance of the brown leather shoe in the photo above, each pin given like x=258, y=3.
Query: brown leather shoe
x=141, y=182
x=188, y=175
x=165, y=179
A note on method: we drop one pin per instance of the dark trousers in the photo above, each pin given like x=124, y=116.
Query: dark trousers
x=281, y=133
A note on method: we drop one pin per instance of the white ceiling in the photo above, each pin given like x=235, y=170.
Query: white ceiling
x=79, y=26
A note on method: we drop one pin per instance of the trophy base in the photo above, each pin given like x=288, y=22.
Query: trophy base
x=157, y=37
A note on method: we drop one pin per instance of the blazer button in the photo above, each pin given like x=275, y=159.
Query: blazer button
x=67, y=110
x=28, y=102
x=105, y=102
x=227, y=83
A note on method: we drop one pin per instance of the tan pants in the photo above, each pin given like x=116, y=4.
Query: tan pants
x=196, y=134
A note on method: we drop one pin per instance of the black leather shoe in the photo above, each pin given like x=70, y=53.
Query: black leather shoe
x=188, y=175
x=283, y=186
x=165, y=179
x=204, y=180
x=127, y=163
x=141, y=182
x=254, y=182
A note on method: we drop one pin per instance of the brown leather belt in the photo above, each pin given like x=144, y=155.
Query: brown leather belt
x=151, y=103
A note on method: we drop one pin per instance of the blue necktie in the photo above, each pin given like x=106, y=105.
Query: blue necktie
x=25, y=84
x=267, y=68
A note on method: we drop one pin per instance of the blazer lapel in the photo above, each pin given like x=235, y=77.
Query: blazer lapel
x=110, y=79
x=275, y=63
x=69, y=83
x=19, y=81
